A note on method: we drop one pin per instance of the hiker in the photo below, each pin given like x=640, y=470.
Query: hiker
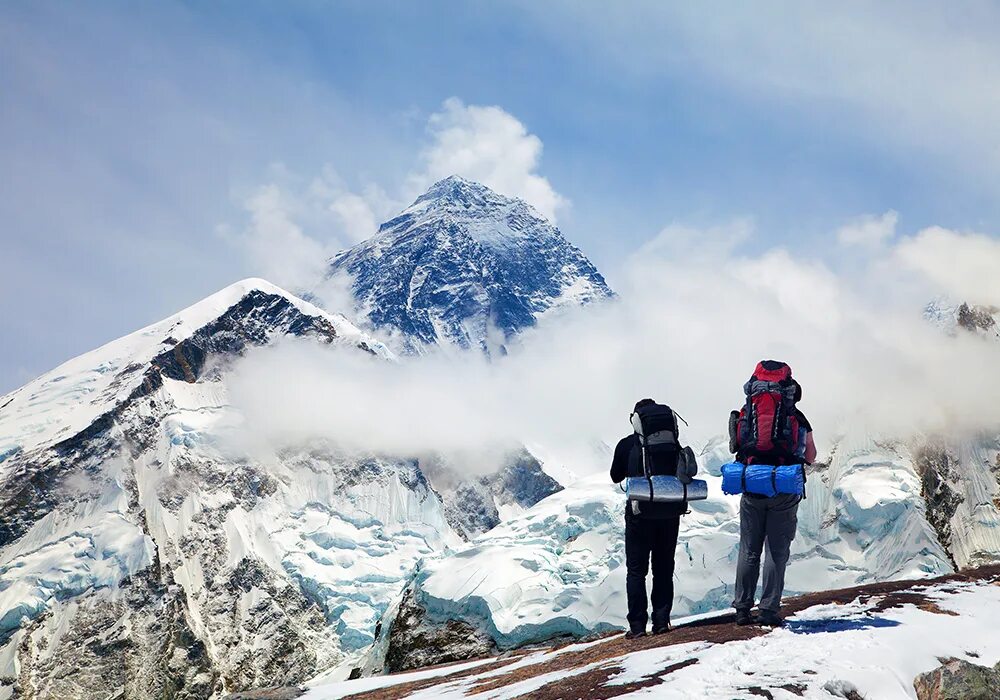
x=650, y=528
x=769, y=430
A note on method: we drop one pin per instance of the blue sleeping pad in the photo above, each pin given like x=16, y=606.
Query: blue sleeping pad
x=763, y=479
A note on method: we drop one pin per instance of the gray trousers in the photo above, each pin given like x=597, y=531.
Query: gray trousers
x=770, y=523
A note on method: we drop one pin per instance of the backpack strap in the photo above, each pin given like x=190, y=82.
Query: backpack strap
x=644, y=446
x=687, y=506
x=743, y=479
x=774, y=480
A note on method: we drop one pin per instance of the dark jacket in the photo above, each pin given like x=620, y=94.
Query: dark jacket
x=810, y=455
x=627, y=462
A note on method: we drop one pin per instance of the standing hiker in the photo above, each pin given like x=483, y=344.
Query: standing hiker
x=770, y=430
x=650, y=528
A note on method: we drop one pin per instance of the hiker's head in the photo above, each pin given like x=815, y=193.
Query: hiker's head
x=643, y=402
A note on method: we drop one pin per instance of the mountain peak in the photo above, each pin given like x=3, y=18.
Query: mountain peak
x=455, y=183
x=69, y=398
x=464, y=265
x=456, y=196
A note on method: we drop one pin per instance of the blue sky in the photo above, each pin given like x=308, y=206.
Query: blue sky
x=133, y=136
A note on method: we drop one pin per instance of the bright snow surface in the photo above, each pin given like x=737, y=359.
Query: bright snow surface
x=67, y=399
x=825, y=651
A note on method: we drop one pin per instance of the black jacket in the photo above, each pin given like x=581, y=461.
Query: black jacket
x=627, y=461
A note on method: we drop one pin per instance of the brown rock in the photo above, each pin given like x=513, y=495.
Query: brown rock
x=956, y=679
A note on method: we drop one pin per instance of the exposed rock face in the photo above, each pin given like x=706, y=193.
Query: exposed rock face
x=934, y=466
x=139, y=641
x=977, y=318
x=964, y=318
x=464, y=266
x=142, y=556
x=144, y=553
x=522, y=482
x=961, y=490
x=413, y=643
x=957, y=679
x=473, y=506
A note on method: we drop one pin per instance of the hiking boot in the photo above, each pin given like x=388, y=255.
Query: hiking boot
x=743, y=618
x=663, y=629
x=635, y=634
x=769, y=618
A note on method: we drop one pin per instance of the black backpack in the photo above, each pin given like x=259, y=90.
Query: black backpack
x=660, y=452
x=656, y=426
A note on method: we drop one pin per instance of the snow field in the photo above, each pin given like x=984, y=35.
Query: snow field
x=824, y=648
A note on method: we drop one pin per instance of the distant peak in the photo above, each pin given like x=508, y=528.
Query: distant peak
x=456, y=190
x=456, y=182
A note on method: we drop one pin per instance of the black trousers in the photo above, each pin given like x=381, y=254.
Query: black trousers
x=645, y=540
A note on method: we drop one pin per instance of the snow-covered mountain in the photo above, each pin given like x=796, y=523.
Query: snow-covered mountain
x=466, y=266
x=148, y=549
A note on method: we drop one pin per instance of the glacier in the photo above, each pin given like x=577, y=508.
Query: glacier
x=558, y=569
x=145, y=543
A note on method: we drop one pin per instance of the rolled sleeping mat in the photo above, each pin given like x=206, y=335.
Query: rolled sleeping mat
x=763, y=479
x=666, y=489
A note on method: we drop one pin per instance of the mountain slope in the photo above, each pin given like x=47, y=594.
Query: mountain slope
x=153, y=547
x=466, y=266
x=141, y=550
x=866, y=642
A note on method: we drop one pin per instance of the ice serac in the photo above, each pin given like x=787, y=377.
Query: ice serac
x=558, y=569
x=475, y=504
x=145, y=550
x=465, y=266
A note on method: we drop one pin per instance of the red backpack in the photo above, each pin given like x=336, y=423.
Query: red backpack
x=767, y=429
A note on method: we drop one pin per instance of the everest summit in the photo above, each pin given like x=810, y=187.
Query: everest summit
x=466, y=266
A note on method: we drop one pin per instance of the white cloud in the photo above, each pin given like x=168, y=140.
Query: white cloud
x=356, y=215
x=277, y=246
x=963, y=266
x=295, y=226
x=687, y=329
x=869, y=231
x=488, y=145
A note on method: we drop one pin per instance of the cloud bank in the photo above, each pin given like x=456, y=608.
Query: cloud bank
x=691, y=321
